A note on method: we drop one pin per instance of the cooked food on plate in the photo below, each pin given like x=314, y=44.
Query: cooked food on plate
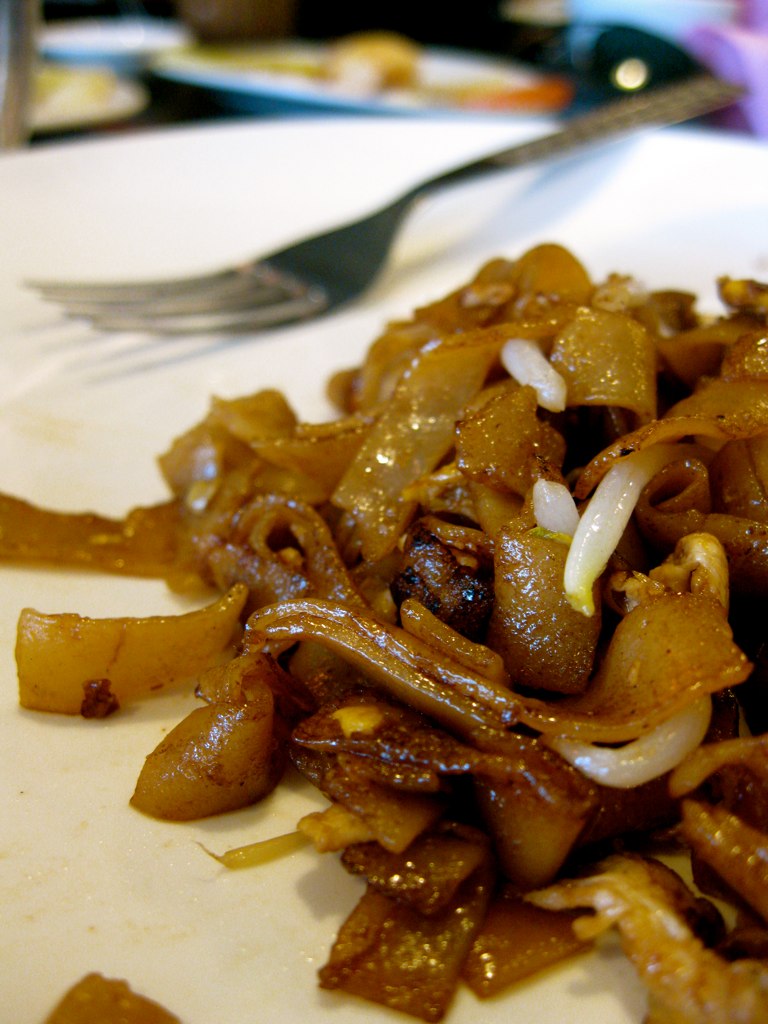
x=506, y=612
x=383, y=66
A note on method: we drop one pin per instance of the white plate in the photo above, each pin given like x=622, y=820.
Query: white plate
x=72, y=98
x=279, y=77
x=85, y=882
x=125, y=43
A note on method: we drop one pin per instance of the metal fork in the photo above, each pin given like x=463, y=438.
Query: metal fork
x=326, y=271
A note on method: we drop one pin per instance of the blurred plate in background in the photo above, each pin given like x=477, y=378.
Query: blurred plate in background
x=291, y=77
x=71, y=98
x=125, y=44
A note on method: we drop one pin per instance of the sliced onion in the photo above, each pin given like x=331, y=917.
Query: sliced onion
x=645, y=758
x=524, y=360
x=606, y=517
x=554, y=507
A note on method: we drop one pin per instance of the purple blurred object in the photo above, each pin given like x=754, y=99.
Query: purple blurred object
x=739, y=54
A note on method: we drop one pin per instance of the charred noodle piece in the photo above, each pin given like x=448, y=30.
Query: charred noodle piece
x=687, y=983
x=98, y=1000
x=737, y=851
x=57, y=655
x=396, y=736
x=458, y=594
x=517, y=782
x=664, y=655
x=390, y=954
x=392, y=737
x=141, y=544
x=516, y=941
x=413, y=433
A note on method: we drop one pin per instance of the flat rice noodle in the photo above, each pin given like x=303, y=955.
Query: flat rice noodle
x=546, y=283
x=699, y=351
x=641, y=809
x=385, y=361
x=687, y=982
x=95, y=999
x=223, y=439
x=218, y=758
x=388, y=953
x=739, y=478
x=741, y=405
x=422, y=623
x=545, y=643
x=536, y=817
x=141, y=544
x=493, y=510
x=551, y=273
x=318, y=453
x=736, y=851
x=233, y=682
x=428, y=874
x=746, y=751
x=250, y=418
x=395, y=736
x=607, y=358
x=665, y=654
x=744, y=294
x=676, y=503
x=57, y=655
x=411, y=436
x=393, y=817
x=392, y=659
x=516, y=941
x=281, y=549
x=721, y=411
x=747, y=357
x=503, y=443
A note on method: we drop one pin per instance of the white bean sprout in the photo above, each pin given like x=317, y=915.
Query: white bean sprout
x=645, y=758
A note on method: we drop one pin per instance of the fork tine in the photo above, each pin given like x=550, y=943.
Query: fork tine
x=231, y=293
x=123, y=291
x=222, y=321
x=247, y=275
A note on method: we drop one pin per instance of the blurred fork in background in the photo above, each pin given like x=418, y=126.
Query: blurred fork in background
x=319, y=274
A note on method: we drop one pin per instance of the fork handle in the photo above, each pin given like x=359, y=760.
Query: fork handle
x=665, y=105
